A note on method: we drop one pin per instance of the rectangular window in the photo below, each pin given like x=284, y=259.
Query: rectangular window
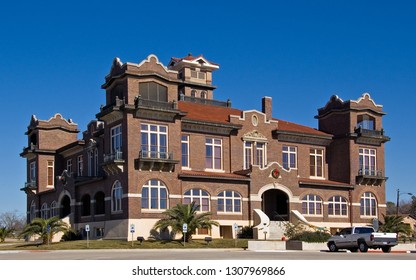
x=289, y=156
x=69, y=166
x=260, y=154
x=316, y=157
x=248, y=154
x=254, y=154
x=367, y=162
x=154, y=141
x=185, y=151
x=50, y=173
x=116, y=140
x=213, y=153
x=80, y=165
x=32, y=175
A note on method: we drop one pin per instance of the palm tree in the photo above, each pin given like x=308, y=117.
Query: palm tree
x=185, y=214
x=45, y=228
x=5, y=232
x=394, y=223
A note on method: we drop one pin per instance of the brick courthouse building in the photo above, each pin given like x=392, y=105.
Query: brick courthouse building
x=162, y=139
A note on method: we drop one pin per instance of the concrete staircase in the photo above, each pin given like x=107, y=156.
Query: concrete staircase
x=276, y=230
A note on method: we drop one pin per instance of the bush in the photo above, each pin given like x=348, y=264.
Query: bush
x=246, y=232
x=71, y=235
x=312, y=237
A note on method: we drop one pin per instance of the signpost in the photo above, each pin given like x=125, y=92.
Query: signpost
x=87, y=230
x=235, y=232
x=132, y=230
x=184, y=230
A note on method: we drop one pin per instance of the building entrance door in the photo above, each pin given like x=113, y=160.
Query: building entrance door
x=65, y=207
x=275, y=203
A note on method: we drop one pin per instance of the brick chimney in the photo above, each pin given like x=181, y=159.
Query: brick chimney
x=267, y=107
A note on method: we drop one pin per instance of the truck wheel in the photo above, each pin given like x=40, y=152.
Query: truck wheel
x=363, y=247
x=332, y=247
x=386, y=249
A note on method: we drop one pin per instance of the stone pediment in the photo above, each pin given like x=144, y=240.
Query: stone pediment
x=254, y=136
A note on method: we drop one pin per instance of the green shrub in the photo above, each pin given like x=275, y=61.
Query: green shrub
x=312, y=237
x=246, y=232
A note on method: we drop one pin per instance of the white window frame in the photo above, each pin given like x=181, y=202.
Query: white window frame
x=198, y=196
x=255, y=153
x=210, y=160
x=229, y=201
x=44, y=211
x=153, y=192
x=150, y=130
x=312, y=201
x=339, y=205
x=186, y=157
x=32, y=172
x=289, y=151
x=80, y=165
x=116, y=197
x=116, y=139
x=318, y=158
x=54, y=209
x=69, y=166
x=367, y=161
x=368, y=205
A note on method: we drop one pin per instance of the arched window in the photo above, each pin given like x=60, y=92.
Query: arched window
x=154, y=195
x=54, y=209
x=32, y=212
x=99, y=206
x=193, y=93
x=116, y=196
x=44, y=211
x=312, y=205
x=229, y=202
x=203, y=94
x=366, y=122
x=368, y=204
x=338, y=206
x=200, y=197
x=86, y=205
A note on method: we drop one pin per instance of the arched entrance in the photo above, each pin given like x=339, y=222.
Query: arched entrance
x=275, y=203
x=65, y=207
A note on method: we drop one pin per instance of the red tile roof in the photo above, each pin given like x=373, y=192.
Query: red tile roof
x=317, y=182
x=208, y=113
x=293, y=127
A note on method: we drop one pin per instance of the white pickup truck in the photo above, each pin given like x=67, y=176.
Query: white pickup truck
x=362, y=238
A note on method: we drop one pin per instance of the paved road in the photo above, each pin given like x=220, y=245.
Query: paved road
x=198, y=254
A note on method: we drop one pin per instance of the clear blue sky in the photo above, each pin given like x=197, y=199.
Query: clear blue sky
x=54, y=56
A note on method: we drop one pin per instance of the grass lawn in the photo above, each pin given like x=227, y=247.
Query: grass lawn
x=122, y=244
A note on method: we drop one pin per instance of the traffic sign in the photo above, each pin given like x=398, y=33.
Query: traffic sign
x=185, y=228
x=132, y=228
x=87, y=228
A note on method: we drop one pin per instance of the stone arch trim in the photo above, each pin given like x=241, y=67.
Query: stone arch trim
x=274, y=186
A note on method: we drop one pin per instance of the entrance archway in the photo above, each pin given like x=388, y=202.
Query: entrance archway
x=65, y=207
x=275, y=203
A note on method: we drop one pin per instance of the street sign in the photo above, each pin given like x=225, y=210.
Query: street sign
x=132, y=228
x=185, y=228
x=87, y=228
x=235, y=227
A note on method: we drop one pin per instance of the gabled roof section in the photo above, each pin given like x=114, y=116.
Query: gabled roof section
x=57, y=121
x=149, y=66
x=365, y=102
x=199, y=60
